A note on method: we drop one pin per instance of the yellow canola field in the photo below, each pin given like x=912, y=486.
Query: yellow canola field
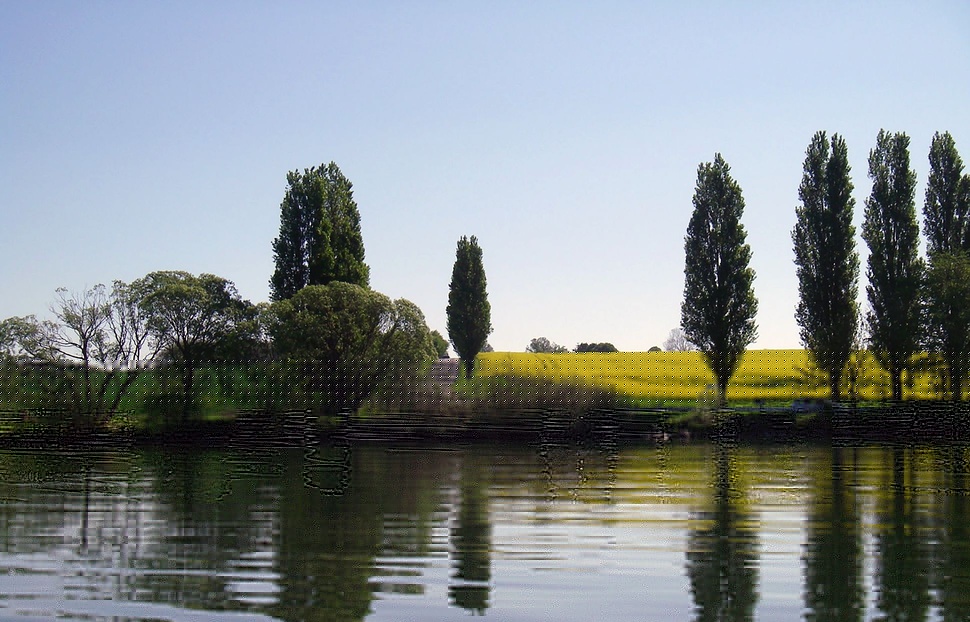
x=763, y=374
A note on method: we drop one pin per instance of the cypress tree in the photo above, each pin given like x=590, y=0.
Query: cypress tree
x=719, y=307
x=320, y=239
x=895, y=270
x=826, y=260
x=469, y=313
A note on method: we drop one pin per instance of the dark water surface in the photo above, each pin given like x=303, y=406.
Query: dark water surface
x=675, y=532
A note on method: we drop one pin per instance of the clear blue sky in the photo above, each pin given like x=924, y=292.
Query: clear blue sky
x=141, y=136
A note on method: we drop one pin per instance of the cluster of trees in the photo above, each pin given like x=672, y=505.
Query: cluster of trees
x=542, y=345
x=326, y=341
x=914, y=305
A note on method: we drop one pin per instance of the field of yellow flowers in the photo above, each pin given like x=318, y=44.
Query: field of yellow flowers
x=762, y=375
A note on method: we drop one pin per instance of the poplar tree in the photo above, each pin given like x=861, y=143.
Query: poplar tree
x=945, y=218
x=826, y=259
x=895, y=270
x=469, y=313
x=320, y=239
x=946, y=224
x=719, y=307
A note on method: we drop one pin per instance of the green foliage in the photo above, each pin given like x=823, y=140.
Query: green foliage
x=194, y=320
x=948, y=314
x=320, y=239
x=440, y=344
x=946, y=221
x=826, y=259
x=595, y=347
x=542, y=345
x=895, y=270
x=341, y=342
x=719, y=308
x=469, y=314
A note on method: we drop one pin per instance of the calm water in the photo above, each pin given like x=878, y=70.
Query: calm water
x=677, y=532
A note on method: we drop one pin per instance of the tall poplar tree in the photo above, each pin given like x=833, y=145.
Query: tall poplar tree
x=826, y=259
x=719, y=307
x=895, y=270
x=320, y=239
x=946, y=224
x=469, y=313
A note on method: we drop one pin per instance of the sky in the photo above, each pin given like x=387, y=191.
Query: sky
x=566, y=136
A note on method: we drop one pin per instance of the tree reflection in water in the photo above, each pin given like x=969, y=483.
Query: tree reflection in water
x=722, y=554
x=471, y=540
x=834, y=587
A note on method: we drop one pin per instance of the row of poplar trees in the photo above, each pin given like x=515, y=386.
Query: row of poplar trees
x=913, y=304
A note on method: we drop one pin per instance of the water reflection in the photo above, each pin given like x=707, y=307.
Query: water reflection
x=722, y=554
x=354, y=533
x=834, y=588
x=471, y=540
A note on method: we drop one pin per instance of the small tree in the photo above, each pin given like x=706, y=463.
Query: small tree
x=320, y=238
x=542, y=345
x=719, y=308
x=677, y=341
x=895, y=270
x=826, y=260
x=469, y=314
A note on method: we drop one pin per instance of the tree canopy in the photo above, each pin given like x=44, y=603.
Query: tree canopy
x=343, y=342
x=469, y=313
x=190, y=317
x=320, y=238
x=719, y=307
x=826, y=259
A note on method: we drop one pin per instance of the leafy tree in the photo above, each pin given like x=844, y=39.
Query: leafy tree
x=719, y=307
x=946, y=221
x=191, y=318
x=947, y=228
x=343, y=342
x=677, y=341
x=542, y=345
x=895, y=270
x=596, y=347
x=440, y=344
x=826, y=259
x=948, y=315
x=469, y=314
x=320, y=239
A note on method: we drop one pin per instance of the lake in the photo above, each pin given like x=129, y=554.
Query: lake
x=533, y=532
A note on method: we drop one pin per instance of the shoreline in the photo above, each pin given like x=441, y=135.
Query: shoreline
x=904, y=422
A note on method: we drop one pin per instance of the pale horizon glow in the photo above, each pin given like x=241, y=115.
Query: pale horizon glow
x=565, y=136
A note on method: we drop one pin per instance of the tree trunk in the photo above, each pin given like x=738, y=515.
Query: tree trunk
x=896, y=375
x=188, y=375
x=835, y=379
